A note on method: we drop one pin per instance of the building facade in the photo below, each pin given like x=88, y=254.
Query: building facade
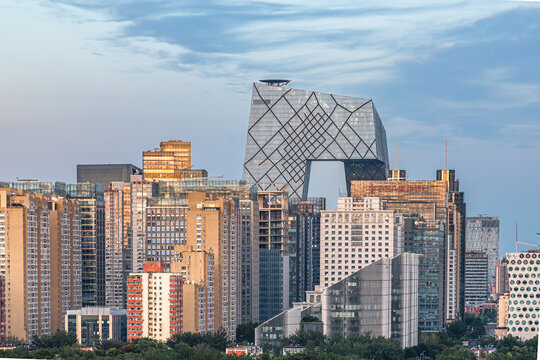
x=482, y=234
x=93, y=325
x=198, y=269
x=154, y=303
x=476, y=277
x=355, y=235
x=105, y=174
x=170, y=162
x=40, y=262
x=380, y=299
x=304, y=247
x=430, y=200
x=501, y=331
x=524, y=299
x=92, y=213
x=290, y=128
x=502, y=284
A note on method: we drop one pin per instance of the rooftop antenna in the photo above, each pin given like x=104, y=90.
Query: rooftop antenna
x=445, y=155
x=396, y=156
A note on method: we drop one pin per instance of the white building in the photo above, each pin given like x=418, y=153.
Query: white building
x=482, y=234
x=355, y=235
x=524, y=296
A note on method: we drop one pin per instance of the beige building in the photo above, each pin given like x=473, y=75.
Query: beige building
x=213, y=226
x=501, y=330
x=40, y=262
x=197, y=268
x=501, y=277
x=355, y=235
x=154, y=303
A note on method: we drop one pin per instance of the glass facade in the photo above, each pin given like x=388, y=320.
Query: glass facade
x=476, y=278
x=482, y=234
x=427, y=238
x=273, y=267
x=290, y=128
x=304, y=247
x=92, y=214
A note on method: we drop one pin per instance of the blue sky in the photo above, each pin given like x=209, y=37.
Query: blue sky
x=91, y=82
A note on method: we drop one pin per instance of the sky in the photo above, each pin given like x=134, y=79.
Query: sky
x=98, y=82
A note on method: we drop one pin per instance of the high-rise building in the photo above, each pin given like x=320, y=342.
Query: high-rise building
x=198, y=269
x=40, y=262
x=246, y=197
x=140, y=191
x=92, y=212
x=115, y=250
x=430, y=200
x=105, y=174
x=154, y=303
x=355, y=235
x=476, y=277
x=482, y=234
x=165, y=227
x=381, y=298
x=524, y=301
x=66, y=287
x=213, y=226
x=171, y=161
x=94, y=325
x=272, y=203
x=501, y=277
x=290, y=128
x=304, y=247
x=426, y=237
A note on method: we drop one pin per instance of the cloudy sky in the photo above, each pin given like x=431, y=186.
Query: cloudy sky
x=89, y=82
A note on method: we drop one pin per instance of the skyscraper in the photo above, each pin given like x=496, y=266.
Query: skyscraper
x=438, y=200
x=482, y=234
x=304, y=247
x=40, y=262
x=92, y=212
x=290, y=128
x=476, y=278
x=171, y=161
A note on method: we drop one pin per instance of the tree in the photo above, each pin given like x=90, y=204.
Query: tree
x=217, y=340
x=58, y=340
x=456, y=352
x=456, y=329
x=303, y=337
x=245, y=333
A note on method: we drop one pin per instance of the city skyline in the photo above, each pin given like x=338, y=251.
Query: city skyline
x=484, y=103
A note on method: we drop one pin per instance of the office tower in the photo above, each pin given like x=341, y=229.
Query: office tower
x=249, y=261
x=25, y=264
x=246, y=197
x=381, y=298
x=170, y=162
x=290, y=128
x=198, y=269
x=482, y=234
x=304, y=247
x=501, y=331
x=40, y=187
x=426, y=237
x=105, y=174
x=165, y=227
x=272, y=202
x=213, y=225
x=154, y=303
x=476, y=277
x=140, y=191
x=501, y=277
x=92, y=212
x=65, y=249
x=93, y=325
x=358, y=233
x=430, y=200
x=523, y=306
